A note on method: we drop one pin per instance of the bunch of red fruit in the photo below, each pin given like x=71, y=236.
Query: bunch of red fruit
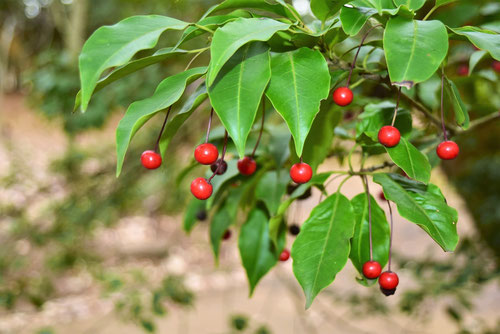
x=389, y=135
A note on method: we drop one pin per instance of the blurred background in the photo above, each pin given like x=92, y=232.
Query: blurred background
x=84, y=252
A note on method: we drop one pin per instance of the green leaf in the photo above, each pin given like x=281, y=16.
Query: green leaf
x=360, y=243
x=475, y=58
x=322, y=248
x=271, y=188
x=211, y=22
x=461, y=113
x=228, y=39
x=115, y=45
x=190, y=216
x=129, y=68
x=237, y=91
x=138, y=113
x=192, y=103
x=482, y=39
x=382, y=6
x=411, y=4
x=319, y=140
x=299, y=81
x=353, y=19
x=414, y=49
x=224, y=217
x=256, y=249
x=423, y=205
x=264, y=5
x=411, y=160
x=377, y=115
x=324, y=9
x=440, y=3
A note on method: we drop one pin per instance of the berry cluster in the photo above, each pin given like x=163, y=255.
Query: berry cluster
x=207, y=154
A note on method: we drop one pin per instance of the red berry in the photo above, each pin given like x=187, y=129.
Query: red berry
x=227, y=235
x=382, y=196
x=285, y=255
x=388, y=280
x=201, y=189
x=389, y=136
x=247, y=166
x=301, y=173
x=150, y=159
x=447, y=150
x=496, y=66
x=372, y=269
x=206, y=154
x=342, y=96
x=463, y=70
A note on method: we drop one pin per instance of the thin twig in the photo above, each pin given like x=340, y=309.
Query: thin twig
x=442, y=107
x=390, y=237
x=357, y=52
x=224, y=147
x=397, y=107
x=209, y=125
x=367, y=189
x=157, y=145
x=261, y=126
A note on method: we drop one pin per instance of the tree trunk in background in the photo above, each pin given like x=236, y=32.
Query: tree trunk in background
x=71, y=22
x=6, y=37
x=76, y=28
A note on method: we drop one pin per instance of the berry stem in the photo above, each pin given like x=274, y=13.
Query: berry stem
x=224, y=147
x=442, y=108
x=390, y=237
x=397, y=107
x=261, y=127
x=357, y=52
x=367, y=189
x=157, y=144
x=209, y=124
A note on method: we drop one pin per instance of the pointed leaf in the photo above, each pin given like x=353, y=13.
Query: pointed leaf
x=264, y=5
x=475, y=58
x=228, y=39
x=271, y=188
x=459, y=107
x=114, y=45
x=411, y=4
x=353, y=19
x=238, y=90
x=414, y=49
x=483, y=39
x=256, y=249
x=210, y=22
x=360, y=243
x=299, y=81
x=423, y=205
x=411, y=160
x=324, y=9
x=193, y=102
x=322, y=248
x=130, y=68
x=138, y=113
